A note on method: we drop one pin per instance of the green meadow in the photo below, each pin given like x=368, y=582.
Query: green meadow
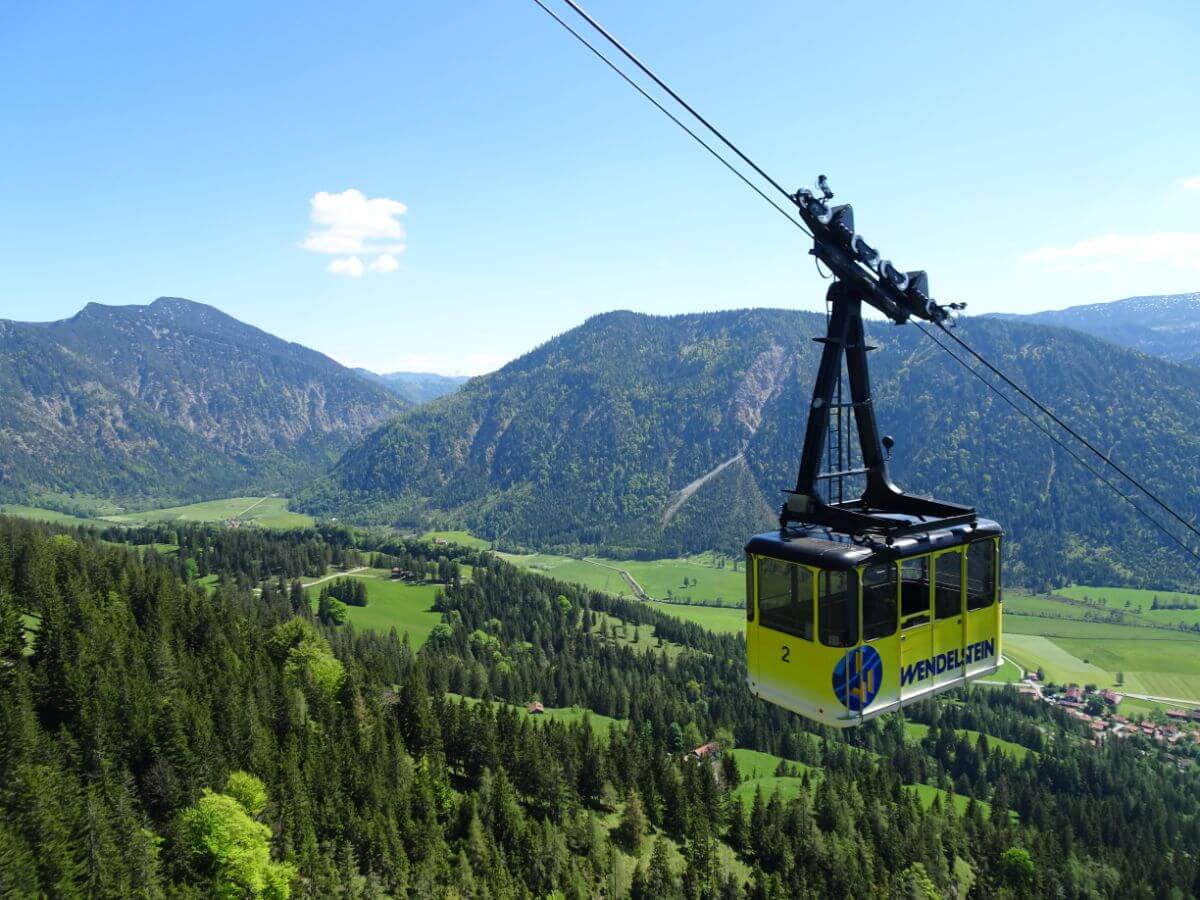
x=704, y=578
x=1008, y=672
x=722, y=620
x=51, y=516
x=915, y=731
x=392, y=604
x=267, y=512
x=758, y=774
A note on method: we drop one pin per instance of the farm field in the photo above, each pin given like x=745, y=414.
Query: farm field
x=1140, y=602
x=1071, y=648
x=268, y=512
x=393, y=604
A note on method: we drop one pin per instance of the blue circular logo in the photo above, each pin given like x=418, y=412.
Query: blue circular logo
x=857, y=678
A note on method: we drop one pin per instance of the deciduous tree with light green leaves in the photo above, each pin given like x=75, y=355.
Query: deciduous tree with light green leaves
x=229, y=846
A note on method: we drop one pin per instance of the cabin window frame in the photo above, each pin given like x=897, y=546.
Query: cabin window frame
x=795, y=626
x=922, y=616
x=939, y=614
x=849, y=594
x=992, y=587
x=893, y=621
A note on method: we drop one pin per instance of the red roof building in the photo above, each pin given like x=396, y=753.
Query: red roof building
x=1074, y=693
x=706, y=751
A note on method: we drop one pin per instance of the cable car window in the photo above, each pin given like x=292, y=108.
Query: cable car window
x=947, y=591
x=879, y=601
x=785, y=598
x=981, y=574
x=837, y=616
x=914, y=591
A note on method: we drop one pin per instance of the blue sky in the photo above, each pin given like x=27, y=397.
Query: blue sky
x=1028, y=155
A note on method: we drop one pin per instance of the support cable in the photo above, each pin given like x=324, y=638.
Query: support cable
x=695, y=137
x=746, y=159
x=674, y=96
x=1048, y=433
x=1071, y=431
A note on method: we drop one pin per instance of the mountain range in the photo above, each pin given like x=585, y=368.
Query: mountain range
x=630, y=435
x=645, y=435
x=416, y=387
x=1166, y=325
x=171, y=401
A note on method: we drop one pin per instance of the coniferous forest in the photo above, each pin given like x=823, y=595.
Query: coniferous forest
x=160, y=739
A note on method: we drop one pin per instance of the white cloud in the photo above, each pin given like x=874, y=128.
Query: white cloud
x=351, y=225
x=1171, y=248
x=1192, y=184
x=347, y=265
x=385, y=262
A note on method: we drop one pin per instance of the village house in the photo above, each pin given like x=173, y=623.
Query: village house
x=536, y=708
x=711, y=750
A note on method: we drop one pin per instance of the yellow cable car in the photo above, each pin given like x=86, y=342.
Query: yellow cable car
x=841, y=631
x=856, y=607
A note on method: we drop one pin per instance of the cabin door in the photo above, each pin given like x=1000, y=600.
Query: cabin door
x=982, y=649
x=916, y=626
x=949, y=621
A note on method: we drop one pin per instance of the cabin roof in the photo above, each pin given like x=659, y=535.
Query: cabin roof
x=826, y=549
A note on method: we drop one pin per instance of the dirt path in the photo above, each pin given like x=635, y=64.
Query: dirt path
x=250, y=507
x=337, y=575
x=629, y=579
x=686, y=492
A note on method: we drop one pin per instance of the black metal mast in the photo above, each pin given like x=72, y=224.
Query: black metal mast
x=862, y=276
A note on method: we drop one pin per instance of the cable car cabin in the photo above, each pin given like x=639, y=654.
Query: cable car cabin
x=841, y=631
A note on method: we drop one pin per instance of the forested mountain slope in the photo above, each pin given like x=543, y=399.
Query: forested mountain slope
x=173, y=400
x=589, y=440
x=1166, y=325
x=156, y=740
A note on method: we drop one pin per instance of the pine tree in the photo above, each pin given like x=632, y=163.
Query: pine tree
x=633, y=825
